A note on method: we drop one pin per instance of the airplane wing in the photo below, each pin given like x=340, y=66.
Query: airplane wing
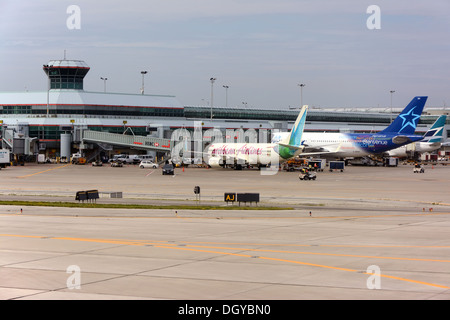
x=292, y=147
x=435, y=144
x=327, y=149
x=319, y=153
x=401, y=139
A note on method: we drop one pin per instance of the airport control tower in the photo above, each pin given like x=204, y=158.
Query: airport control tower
x=66, y=74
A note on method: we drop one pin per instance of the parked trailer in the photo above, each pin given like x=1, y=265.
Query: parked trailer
x=317, y=164
x=5, y=158
x=41, y=158
x=337, y=165
x=391, y=162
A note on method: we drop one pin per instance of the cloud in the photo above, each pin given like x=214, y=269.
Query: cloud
x=252, y=45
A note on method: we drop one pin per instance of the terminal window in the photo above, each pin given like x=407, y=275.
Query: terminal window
x=16, y=110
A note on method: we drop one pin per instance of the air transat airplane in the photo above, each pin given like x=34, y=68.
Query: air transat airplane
x=351, y=145
x=432, y=140
x=259, y=154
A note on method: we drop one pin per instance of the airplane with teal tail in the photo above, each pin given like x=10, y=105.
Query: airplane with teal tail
x=432, y=140
x=237, y=155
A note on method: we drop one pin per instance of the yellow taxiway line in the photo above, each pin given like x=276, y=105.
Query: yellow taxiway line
x=207, y=249
x=36, y=173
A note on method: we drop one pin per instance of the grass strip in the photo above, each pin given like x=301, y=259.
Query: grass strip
x=132, y=206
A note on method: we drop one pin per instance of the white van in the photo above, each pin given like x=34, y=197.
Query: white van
x=146, y=157
x=125, y=158
x=133, y=159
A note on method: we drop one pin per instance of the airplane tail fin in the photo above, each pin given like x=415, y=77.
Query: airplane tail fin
x=294, y=139
x=290, y=145
x=436, y=132
x=407, y=120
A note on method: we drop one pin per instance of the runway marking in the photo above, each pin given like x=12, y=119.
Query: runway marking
x=322, y=254
x=311, y=264
x=352, y=270
x=36, y=173
x=22, y=236
x=187, y=217
x=293, y=245
x=176, y=247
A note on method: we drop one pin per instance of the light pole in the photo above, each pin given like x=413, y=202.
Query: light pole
x=49, y=70
x=48, y=90
x=301, y=85
x=212, y=95
x=143, y=73
x=392, y=91
x=104, y=83
x=226, y=96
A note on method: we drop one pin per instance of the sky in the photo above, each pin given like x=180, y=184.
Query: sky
x=261, y=49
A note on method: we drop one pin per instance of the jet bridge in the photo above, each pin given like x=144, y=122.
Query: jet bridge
x=16, y=139
x=123, y=140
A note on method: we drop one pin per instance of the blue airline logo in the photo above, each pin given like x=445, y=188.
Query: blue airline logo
x=409, y=119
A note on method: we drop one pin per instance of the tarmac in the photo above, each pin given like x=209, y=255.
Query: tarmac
x=368, y=233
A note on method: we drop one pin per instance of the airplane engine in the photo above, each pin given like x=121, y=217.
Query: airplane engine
x=215, y=162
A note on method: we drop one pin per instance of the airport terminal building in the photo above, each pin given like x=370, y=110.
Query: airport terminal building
x=53, y=122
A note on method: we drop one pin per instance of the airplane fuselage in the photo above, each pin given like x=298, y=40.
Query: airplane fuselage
x=220, y=154
x=260, y=154
x=419, y=147
x=354, y=144
x=249, y=153
x=240, y=149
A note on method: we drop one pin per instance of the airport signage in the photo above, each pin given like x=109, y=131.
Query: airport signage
x=248, y=197
x=89, y=195
x=65, y=128
x=230, y=197
x=241, y=197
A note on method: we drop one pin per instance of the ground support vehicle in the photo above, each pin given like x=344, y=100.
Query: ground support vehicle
x=307, y=175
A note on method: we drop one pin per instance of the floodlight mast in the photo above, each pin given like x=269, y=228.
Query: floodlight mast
x=212, y=95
